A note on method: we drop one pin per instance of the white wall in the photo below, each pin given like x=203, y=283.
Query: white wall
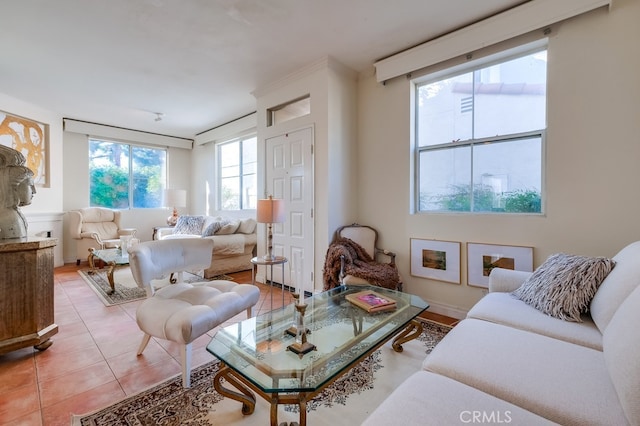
x=591, y=160
x=76, y=194
x=47, y=199
x=332, y=89
x=44, y=214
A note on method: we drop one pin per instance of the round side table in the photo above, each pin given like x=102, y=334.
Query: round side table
x=261, y=261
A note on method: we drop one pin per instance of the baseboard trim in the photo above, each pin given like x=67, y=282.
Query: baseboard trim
x=449, y=311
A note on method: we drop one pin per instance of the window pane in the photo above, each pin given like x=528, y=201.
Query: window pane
x=289, y=111
x=496, y=115
x=507, y=176
x=108, y=174
x=445, y=180
x=149, y=178
x=445, y=110
x=237, y=174
x=249, y=170
x=230, y=193
x=510, y=97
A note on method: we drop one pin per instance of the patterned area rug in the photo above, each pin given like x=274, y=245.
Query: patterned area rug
x=349, y=400
x=126, y=289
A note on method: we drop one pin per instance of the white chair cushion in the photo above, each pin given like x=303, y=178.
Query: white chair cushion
x=503, y=308
x=621, y=349
x=427, y=398
x=183, y=312
x=106, y=230
x=620, y=282
x=560, y=381
x=97, y=214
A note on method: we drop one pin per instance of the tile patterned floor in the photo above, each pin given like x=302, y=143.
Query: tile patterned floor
x=93, y=361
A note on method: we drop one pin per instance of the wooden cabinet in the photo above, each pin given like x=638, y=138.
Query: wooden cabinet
x=26, y=293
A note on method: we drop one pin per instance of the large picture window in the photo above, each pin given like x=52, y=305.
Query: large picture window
x=480, y=138
x=124, y=176
x=237, y=174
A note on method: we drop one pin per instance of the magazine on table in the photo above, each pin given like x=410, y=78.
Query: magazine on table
x=371, y=301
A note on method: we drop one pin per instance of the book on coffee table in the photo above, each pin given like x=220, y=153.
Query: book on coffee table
x=371, y=301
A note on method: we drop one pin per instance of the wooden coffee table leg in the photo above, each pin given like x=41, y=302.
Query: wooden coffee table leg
x=413, y=330
x=90, y=259
x=112, y=267
x=247, y=397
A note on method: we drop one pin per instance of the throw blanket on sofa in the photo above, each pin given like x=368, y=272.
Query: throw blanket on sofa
x=357, y=263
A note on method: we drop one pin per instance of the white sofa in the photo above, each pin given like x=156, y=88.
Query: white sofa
x=234, y=240
x=507, y=362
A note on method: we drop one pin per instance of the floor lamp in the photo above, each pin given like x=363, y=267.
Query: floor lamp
x=270, y=211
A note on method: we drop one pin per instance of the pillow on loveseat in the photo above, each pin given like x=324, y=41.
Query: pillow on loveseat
x=212, y=228
x=564, y=285
x=189, y=225
x=229, y=227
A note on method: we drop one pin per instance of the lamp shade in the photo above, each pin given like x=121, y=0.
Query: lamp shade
x=270, y=210
x=175, y=198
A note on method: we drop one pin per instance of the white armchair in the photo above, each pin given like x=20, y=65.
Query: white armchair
x=183, y=312
x=96, y=227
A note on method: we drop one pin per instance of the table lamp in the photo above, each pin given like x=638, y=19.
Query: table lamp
x=270, y=211
x=174, y=198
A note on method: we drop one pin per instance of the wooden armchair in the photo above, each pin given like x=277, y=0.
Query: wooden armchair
x=368, y=271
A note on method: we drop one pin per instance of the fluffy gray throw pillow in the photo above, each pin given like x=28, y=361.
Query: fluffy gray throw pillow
x=212, y=229
x=189, y=225
x=564, y=285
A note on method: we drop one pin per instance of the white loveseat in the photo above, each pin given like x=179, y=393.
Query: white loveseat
x=510, y=363
x=234, y=240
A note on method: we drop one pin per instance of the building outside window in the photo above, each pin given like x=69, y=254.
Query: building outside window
x=479, y=138
x=237, y=174
x=124, y=176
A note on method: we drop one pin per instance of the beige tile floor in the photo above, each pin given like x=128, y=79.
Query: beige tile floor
x=93, y=361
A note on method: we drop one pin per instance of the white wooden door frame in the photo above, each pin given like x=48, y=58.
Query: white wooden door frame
x=289, y=174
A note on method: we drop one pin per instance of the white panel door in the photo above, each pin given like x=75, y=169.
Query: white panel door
x=289, y=176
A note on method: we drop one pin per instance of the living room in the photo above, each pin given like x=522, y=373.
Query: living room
x=590, y=159
x=589, y=156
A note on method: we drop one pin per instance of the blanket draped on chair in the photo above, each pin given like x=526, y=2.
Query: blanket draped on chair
x=357, y=263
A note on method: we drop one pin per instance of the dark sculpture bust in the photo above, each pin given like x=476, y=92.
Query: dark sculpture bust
x=16, y=190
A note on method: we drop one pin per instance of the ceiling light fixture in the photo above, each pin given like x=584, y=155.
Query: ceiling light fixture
x=159, y=116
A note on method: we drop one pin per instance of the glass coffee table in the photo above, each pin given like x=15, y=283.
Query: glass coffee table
x=112, y=257
x=255, y=357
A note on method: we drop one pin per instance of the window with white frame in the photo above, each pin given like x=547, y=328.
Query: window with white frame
x=479, y=137
x=237, y=174
x=124, y=176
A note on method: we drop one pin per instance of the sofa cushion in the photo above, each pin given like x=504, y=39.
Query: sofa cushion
x=247, y=226
x=189, y=225
x=427, y=398
x=564, y=285
x=565, y=383
x=624, y=278
x=504, y=308
x=621, y=348
x=212, y=228
x=228, y=227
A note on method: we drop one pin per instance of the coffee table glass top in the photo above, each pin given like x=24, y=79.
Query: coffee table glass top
x=342, y=333
x=111, y=255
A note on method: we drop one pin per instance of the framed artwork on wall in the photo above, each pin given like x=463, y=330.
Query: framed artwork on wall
x=436, y=260
x=482, y=258
x=31, y=138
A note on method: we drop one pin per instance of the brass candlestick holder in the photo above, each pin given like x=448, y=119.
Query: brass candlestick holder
x=293, y=329
x=301, y=346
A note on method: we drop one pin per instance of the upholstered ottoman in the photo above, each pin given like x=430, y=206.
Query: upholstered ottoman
x=182, y=312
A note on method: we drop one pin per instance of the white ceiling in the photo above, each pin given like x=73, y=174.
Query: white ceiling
x=118, y=62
